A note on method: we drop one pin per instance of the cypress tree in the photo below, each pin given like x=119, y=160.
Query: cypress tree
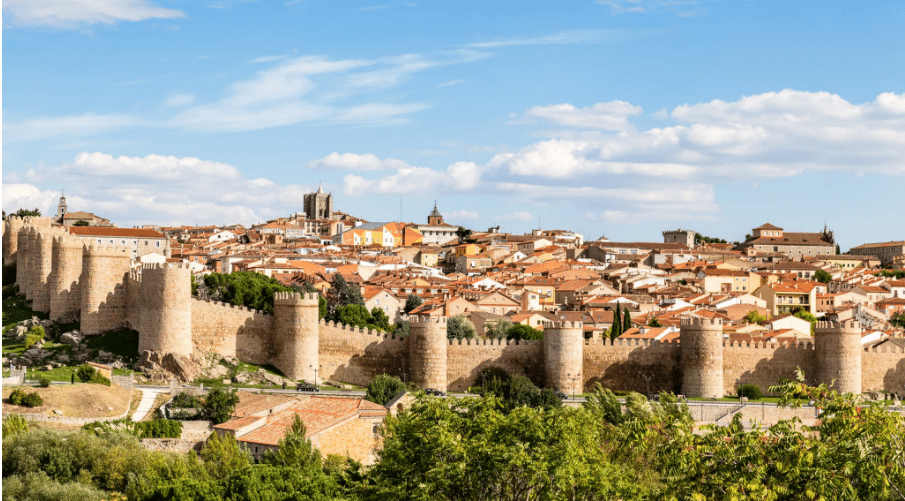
x=617, y=323
x=626, y=321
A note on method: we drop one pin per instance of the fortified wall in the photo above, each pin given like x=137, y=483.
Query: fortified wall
x=100, y=287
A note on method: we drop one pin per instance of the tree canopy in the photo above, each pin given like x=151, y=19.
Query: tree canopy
x=412, y=302
x=522, y=331
x=459, y=327
x=823, y=276
x=384, y=387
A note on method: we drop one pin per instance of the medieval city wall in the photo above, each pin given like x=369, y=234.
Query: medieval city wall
x=466, y=357
x=883, y=369
x=623, y=364
x=355, y=355
x=764, y=364
x=230, y=330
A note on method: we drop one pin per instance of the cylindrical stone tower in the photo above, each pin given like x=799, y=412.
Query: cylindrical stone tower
x=564, y=356
x=101, y=282
x=32, y=261
x=701, y=343
x=42, y=265
x=839, y=355
x=11, y=238
x=296, y=335
x=22, y=254
x=166, y=325
x=427, y=351
x=65, y=301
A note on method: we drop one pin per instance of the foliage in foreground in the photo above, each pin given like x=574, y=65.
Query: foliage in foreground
x=383, y=388
x=484, y=449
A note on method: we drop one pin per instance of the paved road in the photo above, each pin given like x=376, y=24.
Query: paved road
x=147, y=401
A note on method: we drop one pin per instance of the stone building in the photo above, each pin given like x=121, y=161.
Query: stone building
x=66, y=218
x=769, y=238
x=319, y=205
x=886, y=252
x=679, y=237
x=140, y=241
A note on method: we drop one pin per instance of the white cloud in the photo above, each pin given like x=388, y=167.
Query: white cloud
x=680, y=7
x=462, y=214
x=373, y=7
x=563, y=37
x=773, y=134
x=606, y=116
x=155, y=188
x=69, y=14
x=352, y=161
x=460, y=176
x=449, y=83
x=516, y=216
x=79, y=125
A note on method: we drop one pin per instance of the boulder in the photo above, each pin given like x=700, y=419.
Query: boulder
x=46, y=323
x=48, y=367
x=182, y=367
x=74, y=338
x=272, y=378
x=58, y=412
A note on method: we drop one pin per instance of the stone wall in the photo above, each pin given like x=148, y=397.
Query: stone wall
x=356, y=355
x=466, y=357
x=623, y=364
x=883, y=369
x=63, y=283
x=231, y=330
x=765, y=364
x=103, y=294
x=166, y=309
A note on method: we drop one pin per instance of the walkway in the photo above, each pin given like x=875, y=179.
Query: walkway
x=147, y=401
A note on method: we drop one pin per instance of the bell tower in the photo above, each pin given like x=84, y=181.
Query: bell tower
x=435, y=218
x=61, y=208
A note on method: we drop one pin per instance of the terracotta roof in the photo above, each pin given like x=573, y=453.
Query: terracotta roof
x=317, y=412
x=104, y=231
x=768, y=226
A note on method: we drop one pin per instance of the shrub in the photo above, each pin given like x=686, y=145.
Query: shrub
x=34, y=335
x=185, y=401
x=87, y=374
x=750, y=391
x=384, y=387
x=14, y=424
x=16, y=397
x=219, y=404
x=33, y=400
x=44, y=381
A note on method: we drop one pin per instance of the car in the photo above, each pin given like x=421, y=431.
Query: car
x=436, y=393
x=306, y=387
x=560, y=395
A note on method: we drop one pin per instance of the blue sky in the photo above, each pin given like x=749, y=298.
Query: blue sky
x=616, y=118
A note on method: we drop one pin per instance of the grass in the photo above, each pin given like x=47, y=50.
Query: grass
x=81, y=400
x=17, y=309
x=136, y=400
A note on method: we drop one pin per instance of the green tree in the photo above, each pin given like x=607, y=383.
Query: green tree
x=244, y=288
x=616, y=329
x=341, y=293
x=219, y=404
x=27, y=213
x=296, y=452
x=354, y=315
x=82, y=223
x=654, y=322
x=522, y=331
x=14, y=424
x=823, y=276
x=627, y=321
x=459, y=327
x=383, y=388
x=753, y=317
x=474, y=449
x=463, y=234
x=498, y=329
x=401, y=328
x=412, y=302
x=380, y=319
x=222, y=456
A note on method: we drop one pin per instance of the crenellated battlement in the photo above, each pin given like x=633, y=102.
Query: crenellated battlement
x=165, y=266
x=231, y=306
x=95, y=250
x=287, y=298
x=848, y=325
x=563, y=325
x=701, y=323
x=424, y=319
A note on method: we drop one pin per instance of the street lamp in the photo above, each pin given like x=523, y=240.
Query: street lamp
x=647, y=378
x=315, y=372
x=404, y=374
x=573, y=379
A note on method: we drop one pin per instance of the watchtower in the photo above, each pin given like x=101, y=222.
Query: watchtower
x=11, y=228
x=166, y=314
x=701, y=342
x=42, y=266
x=838, y=350
x=103, y=305
x=23, y=258
x=295, y=336
x=427, y=351
x=63, y=283
x=564, y=356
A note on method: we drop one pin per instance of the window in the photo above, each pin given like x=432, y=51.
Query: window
x=158, y=243
x=146, y=242
x=111, y=241
x=98, y=240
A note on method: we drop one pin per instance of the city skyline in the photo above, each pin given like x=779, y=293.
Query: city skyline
x=610, y=118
